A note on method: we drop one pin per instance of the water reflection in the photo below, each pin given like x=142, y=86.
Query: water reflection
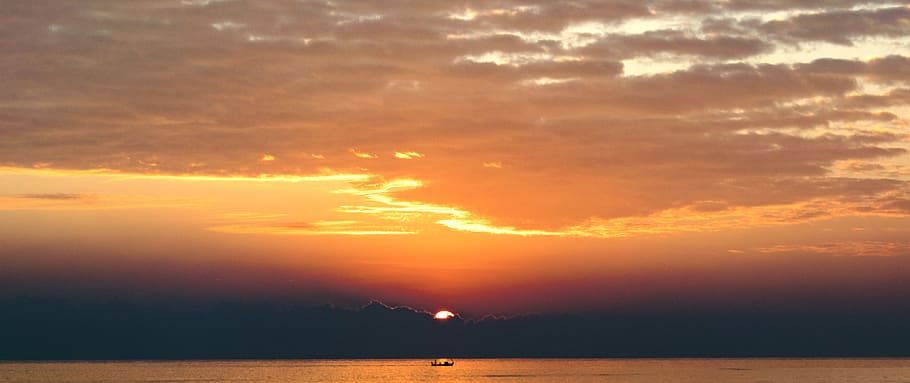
x=468, y=370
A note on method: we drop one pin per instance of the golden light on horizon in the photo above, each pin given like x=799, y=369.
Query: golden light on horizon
x=443, y=315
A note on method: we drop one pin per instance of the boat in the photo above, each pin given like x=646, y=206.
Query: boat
x=442, y=362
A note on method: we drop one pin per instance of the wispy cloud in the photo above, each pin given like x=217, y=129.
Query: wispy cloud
x=494, y=165
x=844, y=248
x=344, y=228
x=55, y=196
x=408, y=155
x=58, y=202
x=365, y=155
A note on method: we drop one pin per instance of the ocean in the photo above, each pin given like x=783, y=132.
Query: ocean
x=467, y=370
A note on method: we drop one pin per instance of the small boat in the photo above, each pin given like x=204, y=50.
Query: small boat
x=443, y=362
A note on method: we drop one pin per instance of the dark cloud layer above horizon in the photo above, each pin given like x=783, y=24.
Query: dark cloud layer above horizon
x=119, y=330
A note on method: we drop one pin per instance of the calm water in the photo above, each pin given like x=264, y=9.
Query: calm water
x=470, y=370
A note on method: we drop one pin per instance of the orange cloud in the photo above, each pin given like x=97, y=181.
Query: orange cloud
x=389, y=213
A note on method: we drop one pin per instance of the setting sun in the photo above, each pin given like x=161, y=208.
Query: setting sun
x=443, y=315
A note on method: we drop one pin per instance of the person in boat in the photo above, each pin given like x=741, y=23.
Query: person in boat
x=443, y=362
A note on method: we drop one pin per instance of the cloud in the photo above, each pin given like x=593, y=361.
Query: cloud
x=54, y=196
x=891, y=69
x=841, y=26
x=364, y=155
x=85, y=202
x=851, y=327
x=800, y=4
x=899, y=96
x=347, y=228
x=408, y=155
x=741, y=120
x=493, y=165
x=551, y=16
x=653, y=43
x=857, y=248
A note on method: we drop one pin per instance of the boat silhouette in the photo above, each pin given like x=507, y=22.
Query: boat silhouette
x=442, y=362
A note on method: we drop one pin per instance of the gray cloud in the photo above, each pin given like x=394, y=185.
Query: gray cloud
x=801, y=4
x=841, y=27
x=553, y=16
x=888, y=69
x=678, y=43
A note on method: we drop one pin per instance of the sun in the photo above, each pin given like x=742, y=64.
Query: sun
x=443, y=315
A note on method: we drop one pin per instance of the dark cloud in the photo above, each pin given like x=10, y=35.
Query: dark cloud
x=768, y=5
x=497, y=74
x=899, y=96
x=888, y=69
x=553, y=16
x=677, y=43
x=841, y=27
x=898, y=205
x=699, y=89
x=56, y=329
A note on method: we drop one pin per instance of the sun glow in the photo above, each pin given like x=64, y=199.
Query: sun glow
x=443, y=315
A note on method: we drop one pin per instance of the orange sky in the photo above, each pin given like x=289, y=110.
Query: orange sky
x=497, y=157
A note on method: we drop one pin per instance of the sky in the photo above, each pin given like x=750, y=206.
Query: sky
x=497, y=157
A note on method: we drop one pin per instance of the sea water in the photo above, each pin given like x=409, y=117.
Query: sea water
x=468, y=370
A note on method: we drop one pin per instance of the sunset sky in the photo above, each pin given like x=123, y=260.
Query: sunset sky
x=485, y=157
